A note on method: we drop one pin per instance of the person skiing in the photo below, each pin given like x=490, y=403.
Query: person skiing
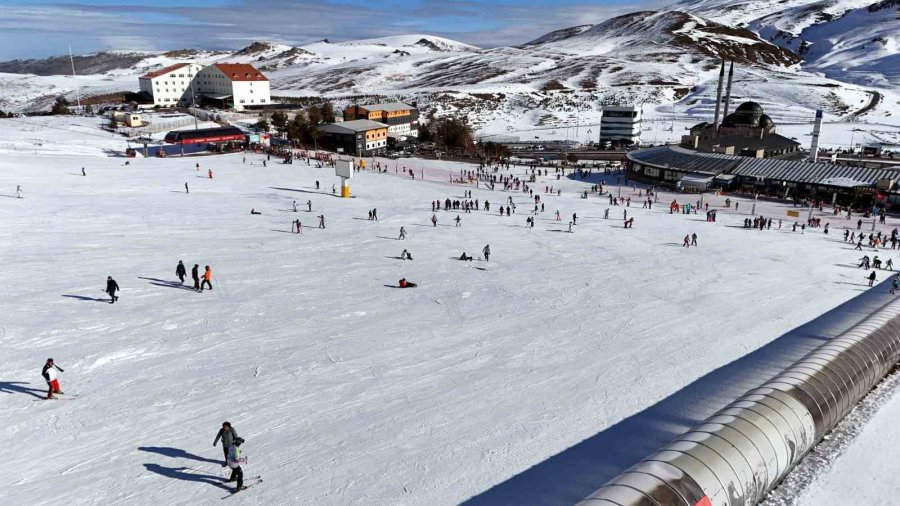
x=687, y=242
x=111, y=288
x=83, y=173
x=434, y=220
x=298, y=227
x=207, y=276
x=210, y=173
x=694, y=239
x=402, y=233
x=317, y=185
x=18, y=191
x=180, y=271
x=321, y=221
x=295, y=206
x=872, y=278
x=227, y=434
x=186, y=189
x=309, y=206
x=457, y=220
x=487, y=252
x=195, y=275
x=235, y=459
x=574, y=218
x=49, y=374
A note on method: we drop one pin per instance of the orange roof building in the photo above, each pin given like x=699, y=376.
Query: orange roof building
x=235, y=85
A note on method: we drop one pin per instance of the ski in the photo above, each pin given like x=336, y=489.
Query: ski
x=256, y=480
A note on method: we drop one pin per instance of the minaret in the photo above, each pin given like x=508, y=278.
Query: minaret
x=814, y=146
x=728, y=89
x=719, y=96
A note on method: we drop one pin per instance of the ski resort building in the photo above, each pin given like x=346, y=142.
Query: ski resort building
x=360, y=137
x=621, y=124
x=234, y=85
x=402, y=119
x=226, y=85
x=171, y=86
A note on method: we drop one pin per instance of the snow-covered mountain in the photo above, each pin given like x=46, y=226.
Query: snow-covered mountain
x=797, y=55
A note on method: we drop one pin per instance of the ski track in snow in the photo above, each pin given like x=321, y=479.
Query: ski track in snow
x=349, y=392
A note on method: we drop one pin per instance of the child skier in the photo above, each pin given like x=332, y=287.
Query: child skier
x=49, y=374
x=235, y=459
x=207, y=276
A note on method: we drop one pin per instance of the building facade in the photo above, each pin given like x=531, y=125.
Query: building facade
x=361, y=137
x=234, y=85
x=171, y=86
x=621, y=124
x=402, y=119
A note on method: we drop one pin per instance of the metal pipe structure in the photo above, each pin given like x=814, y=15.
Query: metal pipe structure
x=743, y=451
x=719, y=96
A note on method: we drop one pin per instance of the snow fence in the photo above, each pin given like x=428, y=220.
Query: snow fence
x=738, y=455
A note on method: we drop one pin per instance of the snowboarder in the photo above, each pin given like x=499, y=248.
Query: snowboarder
x=402, y=233
x=49, y=374
x=111, y=288
x=227, y=434
x=405, y=255
x=321, y=221
x=207, y=276
x=872, y=278
x=487, y=252
x=180, y=271
x=406, y=284
x=195, y=275
x=234, y=462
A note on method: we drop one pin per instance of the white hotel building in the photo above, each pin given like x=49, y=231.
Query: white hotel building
x=621, y=123
x=234, y=85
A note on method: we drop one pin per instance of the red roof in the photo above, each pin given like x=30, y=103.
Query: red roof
x=162, y=71
x=241, y=72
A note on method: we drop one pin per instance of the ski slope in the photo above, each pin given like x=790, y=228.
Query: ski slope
x=347, y=390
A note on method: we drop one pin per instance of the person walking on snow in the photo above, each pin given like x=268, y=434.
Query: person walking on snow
x=298, y=227
x=186, y=189
x=295, y=206
x=195, y=275
x=83, y=173
x=457, y=220
x=433, y=220
x=402, y=233
x=235, y=459
x=321, y=221
x=227, y=434
x=180, y=271
x=694, y=239
x=487, y=252
x=18, y=191
x=309, y=206
x=111, y=288
x=207, y=276
x=49, y=374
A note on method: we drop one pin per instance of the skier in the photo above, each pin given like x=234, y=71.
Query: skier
x=83, y=173
x=574, y=218
x=687, y=242
x=317, y=185
x=186, y=189
x=406, y=284
x=457, y=220
x=375, y=214
x=487, y=252
x=180, y=271
x=405, y=255
x=295, y=206
x=227, y=434
x=298, y=227
x=234, y=462
x=111, y=288
x=309, y=206
x=49, y=374
x=402, y=233
x=210, y=173
x=18, y=191
x=872, y=278
x=196, y=277
x=889, y=265
x=606, y=214
x=694, y=239
x=207, y=276
x=433, y=220
x=321, y=221
x=197, y=166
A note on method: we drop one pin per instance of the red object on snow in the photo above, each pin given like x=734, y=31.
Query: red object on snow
x=703, y=502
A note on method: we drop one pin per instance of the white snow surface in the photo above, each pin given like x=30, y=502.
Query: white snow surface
x=349, y=391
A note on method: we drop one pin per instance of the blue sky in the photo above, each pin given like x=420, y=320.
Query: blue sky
x=38, y=28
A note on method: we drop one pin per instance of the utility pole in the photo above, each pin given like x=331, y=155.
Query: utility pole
x=72, y=61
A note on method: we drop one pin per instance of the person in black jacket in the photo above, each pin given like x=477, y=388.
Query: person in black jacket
x=195, y=275
x=180, y=271
x=111, y=288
